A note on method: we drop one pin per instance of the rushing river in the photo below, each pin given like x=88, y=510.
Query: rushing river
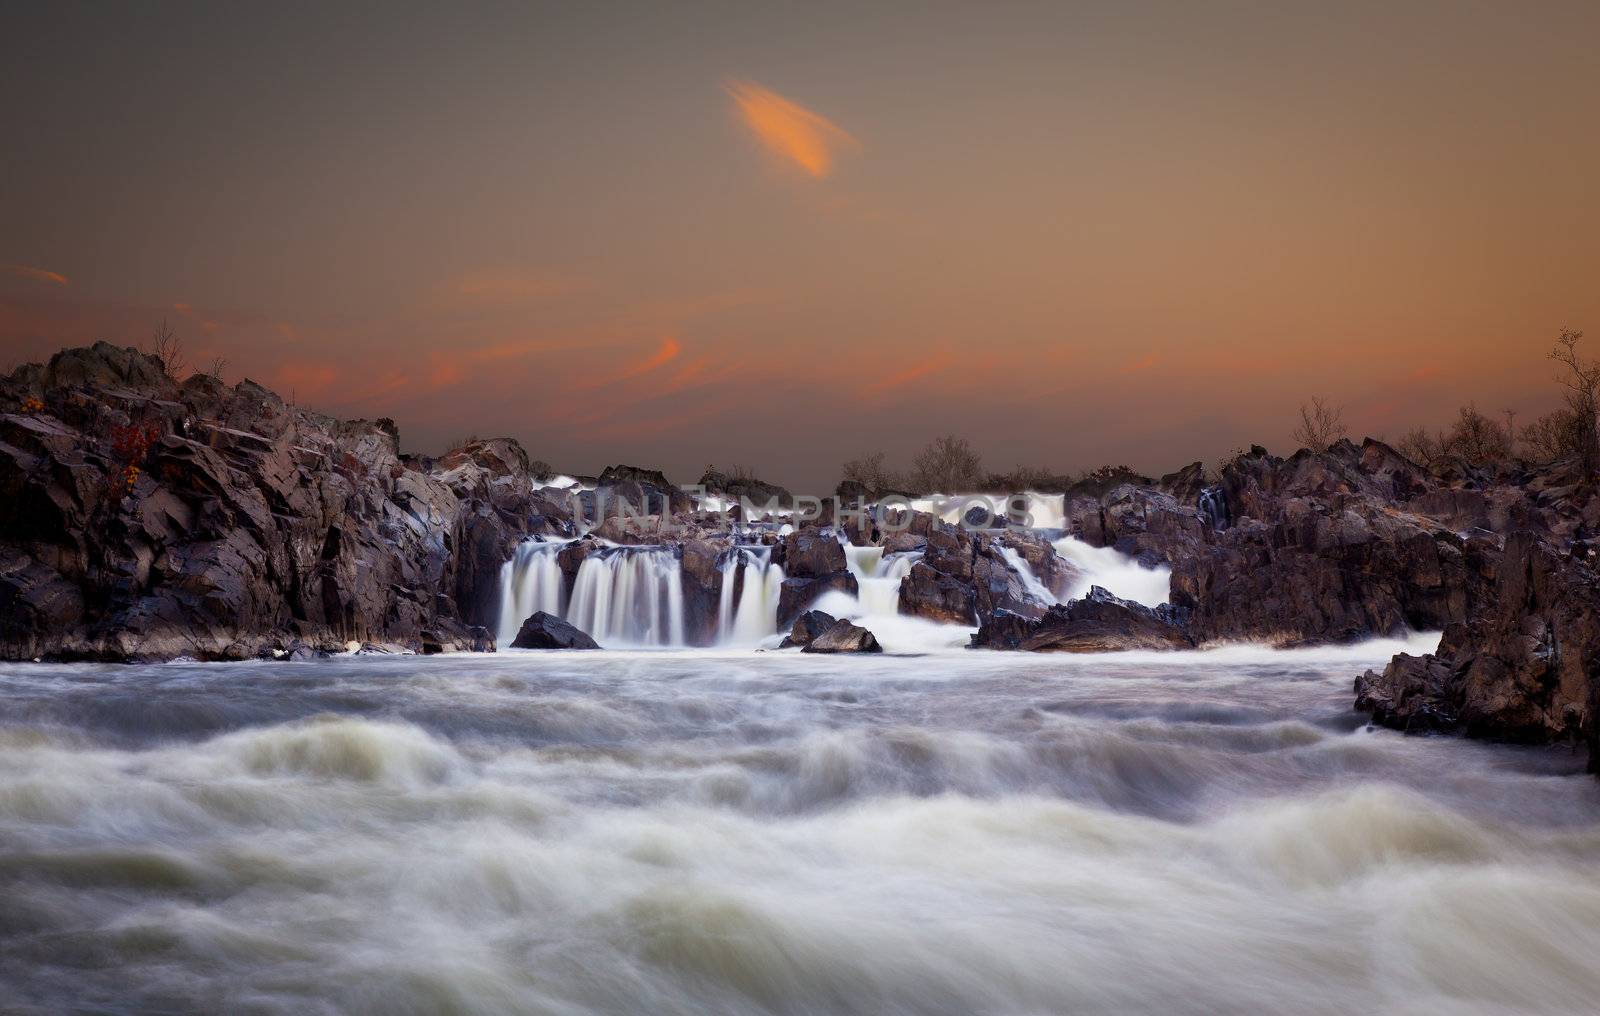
x=703, y=832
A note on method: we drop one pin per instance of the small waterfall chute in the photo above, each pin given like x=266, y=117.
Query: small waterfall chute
x=750, y=615
x=620, y=595
x=1112, y=570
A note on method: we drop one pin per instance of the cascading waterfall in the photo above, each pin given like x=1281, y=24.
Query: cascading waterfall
x=1030, y=581
x=878, y=576
x=755, y=615
x=620, y=596
x=1116, y=572
x=629, y=596
x=529, y=582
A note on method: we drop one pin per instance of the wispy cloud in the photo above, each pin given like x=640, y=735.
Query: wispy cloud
x=37, y=274
x=1142, y=364
x=887, y=383
x=788, y=129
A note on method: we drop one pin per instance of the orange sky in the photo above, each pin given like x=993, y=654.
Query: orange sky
x=788, y=236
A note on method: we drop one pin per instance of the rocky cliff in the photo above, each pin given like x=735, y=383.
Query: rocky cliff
x=142, y=518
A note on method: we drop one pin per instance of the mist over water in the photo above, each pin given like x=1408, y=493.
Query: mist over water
x=716, y=831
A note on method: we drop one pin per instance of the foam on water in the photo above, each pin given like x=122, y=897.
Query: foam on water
x=1116, y=572
x=632, y=832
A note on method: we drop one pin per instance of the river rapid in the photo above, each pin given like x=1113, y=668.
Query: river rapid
x=699, y=832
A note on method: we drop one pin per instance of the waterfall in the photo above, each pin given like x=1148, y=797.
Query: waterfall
x=529, y=582
x=629, y=596
x=620, y=596
x=1120, y=574
x=878, y=576
x=755, y=615
x=1030, y=581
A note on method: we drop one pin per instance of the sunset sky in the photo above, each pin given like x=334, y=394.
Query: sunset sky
x=784, y=236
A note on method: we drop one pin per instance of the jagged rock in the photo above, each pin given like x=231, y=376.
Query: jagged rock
x=937, y=596
x=843, y=637
x=1097, y=623
x=746, y=488
x=810, y=552
x=246, y=521
x=546, y=631
x=1524, y=666
x=807, y=627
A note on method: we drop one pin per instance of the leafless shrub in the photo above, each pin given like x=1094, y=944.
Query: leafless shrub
x=165, y=345
x=870, y=472
x=1581, y=378
x=1320, y=425
x=947, y=465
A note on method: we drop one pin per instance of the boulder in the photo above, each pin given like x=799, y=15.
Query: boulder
x=807, y=627
x=546, y=631
x=843, y=637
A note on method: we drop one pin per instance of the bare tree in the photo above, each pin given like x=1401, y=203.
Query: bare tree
x=1581, y=378
x=1552, y=435
x=165, y=345
x=218, y=365
x=1421, y=447
x=872, y=474
x=1478, y=438
x=1320, y=425
x=947, y=465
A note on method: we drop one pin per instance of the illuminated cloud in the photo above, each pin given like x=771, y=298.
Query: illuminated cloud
x=1143, y=363
x=37, y=274
x=899, y=379
x=670, y=348
x=789, y=130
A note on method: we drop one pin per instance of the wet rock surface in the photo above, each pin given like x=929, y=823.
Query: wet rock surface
x=843, y=637
x=546, y=631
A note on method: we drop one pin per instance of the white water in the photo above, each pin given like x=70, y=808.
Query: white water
x=621, y=596
x=530, y=582
x=1118, y=573
x=633, y=596
x=754, y=617
x=1030, y=581
x=629, y=596
x=709, y=832
x=1043, y=511
x=878, y=577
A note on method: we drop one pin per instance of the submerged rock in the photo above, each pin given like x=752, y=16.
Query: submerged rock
x=844, y=637
x=546, y=631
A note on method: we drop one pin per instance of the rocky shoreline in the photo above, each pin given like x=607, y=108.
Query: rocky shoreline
x=146, y=519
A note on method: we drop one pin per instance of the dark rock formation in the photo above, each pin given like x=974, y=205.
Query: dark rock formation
x=739, y=488
x=546, y=631
x=1524, y=667
x=807, y=627
x=1098, y=623
x=938, y=596
x=843, y=637
x=143, y=519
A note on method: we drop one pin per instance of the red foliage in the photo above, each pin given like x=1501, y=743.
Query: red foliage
x=130, y=445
